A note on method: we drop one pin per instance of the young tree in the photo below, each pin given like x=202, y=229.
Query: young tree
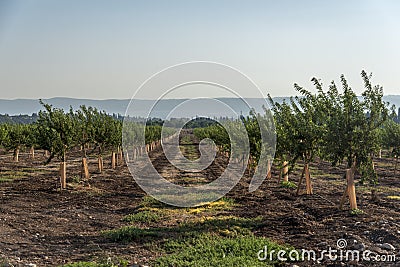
x=17, y=136
x=56, y=134
x=115, y=141
x=253, y=132
x=304, y=126
x=32, y=141
x=286, y=144
x=85, y=132
x=107, y=132
x=3, y=134
x=351, y=127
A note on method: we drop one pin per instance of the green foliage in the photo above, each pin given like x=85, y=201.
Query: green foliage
x=353, y=126
x=217, y=133
x=15, y=136
x=152, y=133
x=3, y=134
x=107, y=131
x=133, y=133
x=200, y=122
x=32, y=136
x=84, y=126
x=299, y=127
x=336, y=126
x=254, y=134
x=56, y=131
x=391, y=137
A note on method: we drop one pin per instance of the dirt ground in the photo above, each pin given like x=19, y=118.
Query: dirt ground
x=39, y=224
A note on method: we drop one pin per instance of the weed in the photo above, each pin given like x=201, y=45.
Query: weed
x=76, y=179
x=288, y=184
x=146, y=216
x=356, y=212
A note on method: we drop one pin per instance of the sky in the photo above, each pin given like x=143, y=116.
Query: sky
x=106, y=49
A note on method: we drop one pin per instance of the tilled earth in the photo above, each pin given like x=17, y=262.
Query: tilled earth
x=39, y=224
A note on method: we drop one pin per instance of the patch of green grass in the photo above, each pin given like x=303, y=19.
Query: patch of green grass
x=288, y=184
x=225, y=225
x=152, y=210
x=151, y=204
x=218, y=205
x=212, y=250
x=146, y=216
x=8, y=176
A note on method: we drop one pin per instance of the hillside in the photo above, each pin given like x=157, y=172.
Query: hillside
x=118, y=106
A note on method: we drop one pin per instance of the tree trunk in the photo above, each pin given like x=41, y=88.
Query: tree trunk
x=350, y=190
x=309, y=189
x=63, y=175
x=85, y=169
x=301, y=180
x=116, y=158
x=16, y=155
x=395, y=166
x=269, y=169
x=100, y=163
x=285, y=171
x=113, y=160
x=121, y=157
x=32, y=152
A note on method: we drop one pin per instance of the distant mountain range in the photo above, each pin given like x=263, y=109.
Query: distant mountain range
x=119, y=106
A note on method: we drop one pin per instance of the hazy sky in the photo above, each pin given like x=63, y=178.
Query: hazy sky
x=106, y=49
